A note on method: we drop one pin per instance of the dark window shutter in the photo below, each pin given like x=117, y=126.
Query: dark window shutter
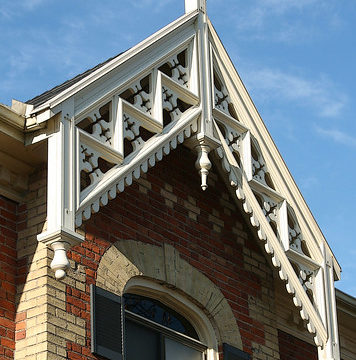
x=232, y=353
x=106, y=323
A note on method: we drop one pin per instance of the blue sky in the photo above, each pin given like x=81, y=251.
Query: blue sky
x=296, y=57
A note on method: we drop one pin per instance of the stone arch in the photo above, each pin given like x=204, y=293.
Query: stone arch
x=127, y=259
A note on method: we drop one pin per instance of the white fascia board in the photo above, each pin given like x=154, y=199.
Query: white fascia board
x=282, y=177
x=190, y=17
x=11, y=117
x=346, y=302
x=12, y=123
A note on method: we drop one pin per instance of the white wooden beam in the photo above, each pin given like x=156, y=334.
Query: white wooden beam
x=61, y=182
x=192, y=5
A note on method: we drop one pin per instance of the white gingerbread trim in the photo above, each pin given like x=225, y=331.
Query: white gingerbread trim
x=272, y=245
x=187, y=94
x=285, y=183
x=131, y=169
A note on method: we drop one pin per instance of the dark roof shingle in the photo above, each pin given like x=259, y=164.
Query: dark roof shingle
x=49, y=94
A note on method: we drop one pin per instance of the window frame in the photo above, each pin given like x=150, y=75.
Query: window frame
x=161, y=330
x=166, y=332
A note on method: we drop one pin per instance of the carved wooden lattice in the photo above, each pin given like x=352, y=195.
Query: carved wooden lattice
x=173, y=106
x=125, y=124
x=234, y=141
x=259, y=167
x=296, y=240
x=270, y=210
x=139, y=94
x=177, y=68
x=98, y=124
x=306, y=277
x=222, y=99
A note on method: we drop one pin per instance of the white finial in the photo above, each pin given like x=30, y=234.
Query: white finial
x=60, y=261
x=203, y=164
x=192, y=5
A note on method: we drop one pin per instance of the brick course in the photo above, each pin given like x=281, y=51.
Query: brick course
x=9, y=331
x=168, y=206
x=292, y=348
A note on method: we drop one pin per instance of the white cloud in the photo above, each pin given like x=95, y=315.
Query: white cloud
x=279, y=21
x=320, y=94
x=260, y=12
x=31, y=4
x=337, y=136
x=11, y=8
x=154, y=5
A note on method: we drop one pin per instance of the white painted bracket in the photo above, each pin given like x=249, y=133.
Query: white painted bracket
x=60, y=241
x=326, y=292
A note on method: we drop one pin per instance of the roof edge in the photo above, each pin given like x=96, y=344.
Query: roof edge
x=251, y=108
x=107, y=67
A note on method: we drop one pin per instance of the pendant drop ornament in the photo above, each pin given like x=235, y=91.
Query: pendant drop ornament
x=203, y=164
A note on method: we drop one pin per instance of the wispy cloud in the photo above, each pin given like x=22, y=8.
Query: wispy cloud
x=31, y=4
x=319, y=93
x=11, y=8
x=260, y=12
x=154, y=5
x=337, y=136
x=286, y=21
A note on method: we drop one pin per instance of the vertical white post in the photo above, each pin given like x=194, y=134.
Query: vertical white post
x=205, y=76
x=61, y=191
x=54, y=179
x=69, y=165
x=205, y=140
x=331, y=349
x=192, y=5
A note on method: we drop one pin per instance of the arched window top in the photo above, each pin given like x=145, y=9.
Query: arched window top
x=159, y=313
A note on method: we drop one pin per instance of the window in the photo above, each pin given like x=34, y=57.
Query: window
x=136, y=327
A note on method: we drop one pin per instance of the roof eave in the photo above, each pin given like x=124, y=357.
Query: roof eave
x=12, y=123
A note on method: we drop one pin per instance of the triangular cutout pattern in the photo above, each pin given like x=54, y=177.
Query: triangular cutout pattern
x=222, y=99
x=262, y=220
x=127, y=130
x=242, y=158
x=155, y=108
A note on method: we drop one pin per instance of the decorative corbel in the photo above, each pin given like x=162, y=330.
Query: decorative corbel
x=60, y=241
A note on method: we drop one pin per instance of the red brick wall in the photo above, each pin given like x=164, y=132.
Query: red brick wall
x=292, y=348
x=8, y=272
x=160, y=210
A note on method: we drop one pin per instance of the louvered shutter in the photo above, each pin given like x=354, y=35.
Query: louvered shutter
x=232, y=353
x=106, y=323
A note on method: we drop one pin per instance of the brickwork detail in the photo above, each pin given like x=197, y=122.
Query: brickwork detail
x=8, y=235
x=33, y=294
x=193, y=237
x=167, y=208
x=127, y=259
x=292, y=348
